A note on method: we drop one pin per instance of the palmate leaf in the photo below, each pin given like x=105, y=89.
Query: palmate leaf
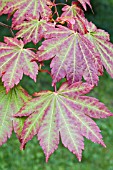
x=100, y=39
x=70, y=13
x=74, y=16
x=32, y=29
x=73, y=53
x=16, y=61
x=27, y=8
x=9, y=105
x=65, y=112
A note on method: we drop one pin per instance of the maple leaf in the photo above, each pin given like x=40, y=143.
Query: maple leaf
x=32, y=29
x=16, y=61
x=73, y=54
x=74, y=16
x=71, y=13
x=100, y=40
x=9, y=105
x=65, y=112
x=33, y=8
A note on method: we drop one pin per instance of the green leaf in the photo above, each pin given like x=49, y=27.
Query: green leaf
x=9, y=105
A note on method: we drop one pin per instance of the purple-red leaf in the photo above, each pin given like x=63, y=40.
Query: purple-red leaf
x=16, y=61
x=65, y=112
x=73, y=53
x=74, y=16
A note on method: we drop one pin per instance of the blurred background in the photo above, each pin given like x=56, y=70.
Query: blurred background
x=94, y=155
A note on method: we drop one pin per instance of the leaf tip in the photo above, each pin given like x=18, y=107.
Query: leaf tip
x=47, y=158
x=103, y=144
x=79, y=159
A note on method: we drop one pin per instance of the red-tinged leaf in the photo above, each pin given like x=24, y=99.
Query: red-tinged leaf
x=79, y=25
x=10, y=104
x=32, y=30
x=16, y=61
x=84, y=2
x=73, y=54
x=74, y=16
x=72, y=11
x=65, y=112
x=100, y=39
x=33, y=8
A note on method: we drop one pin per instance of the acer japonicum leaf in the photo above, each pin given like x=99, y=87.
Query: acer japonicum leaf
x=33, y=8
x=77, y=51
x=9, y=105
x=16, y=61
x=65, y=114
x=73, y=55
x=74, y=16
x=100, y=40
x=32, y=29
x=70, y=12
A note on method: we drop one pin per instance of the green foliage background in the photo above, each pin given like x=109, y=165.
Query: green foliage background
x=94, y=156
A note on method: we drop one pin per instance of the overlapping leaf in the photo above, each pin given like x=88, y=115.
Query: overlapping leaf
x=100, y=39
x=74, y=55
x=25, y=8
x=32, y=29
x=74, y=16
x=70, y=13
x=66, y=112
x=9, y=105
x=16, y=61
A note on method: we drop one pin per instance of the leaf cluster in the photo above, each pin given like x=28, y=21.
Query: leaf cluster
x=78, y=51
